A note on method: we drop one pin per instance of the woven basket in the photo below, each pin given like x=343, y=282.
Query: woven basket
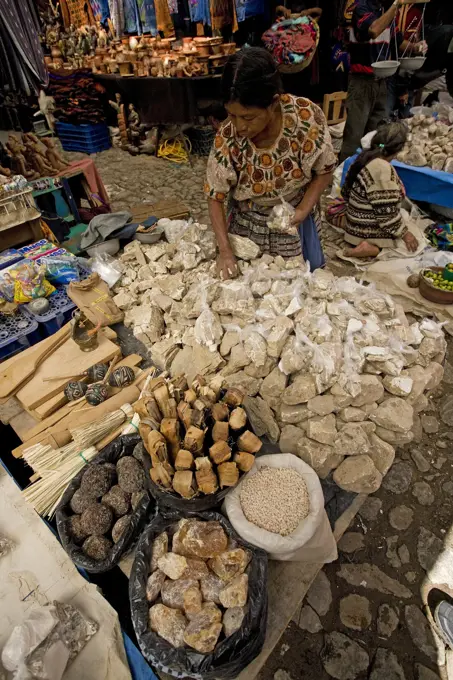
x=296, y=68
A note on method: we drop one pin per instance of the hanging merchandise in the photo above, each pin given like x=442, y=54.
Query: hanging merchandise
x=80, y=13
x=147, y=14
x=100, y=9
x=172, y=6
x=20, y=50
x=199, y=11
x=223, y=13
x=131, y=17
x=117, y=16
x=163, y=18
x=245, y=9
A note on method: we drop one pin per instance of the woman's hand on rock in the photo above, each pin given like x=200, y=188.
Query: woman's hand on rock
x=298, y=217
x=227, y=267
x=410, y=241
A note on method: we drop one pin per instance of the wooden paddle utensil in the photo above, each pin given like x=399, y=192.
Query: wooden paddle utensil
x=17, y=373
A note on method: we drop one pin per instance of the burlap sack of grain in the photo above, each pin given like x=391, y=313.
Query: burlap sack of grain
x=312, y=541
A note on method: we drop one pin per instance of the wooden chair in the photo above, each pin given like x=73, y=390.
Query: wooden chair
x=334, y=107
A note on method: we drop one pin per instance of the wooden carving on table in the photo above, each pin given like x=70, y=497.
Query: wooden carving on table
x=15, y=149
x=135, y=130
x=121, y=117
x=36, y=157
x=54, y=157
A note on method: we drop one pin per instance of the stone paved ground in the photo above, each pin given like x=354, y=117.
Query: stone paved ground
x=363, y=616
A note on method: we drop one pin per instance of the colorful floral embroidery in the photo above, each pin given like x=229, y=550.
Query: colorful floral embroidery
x=304, y=147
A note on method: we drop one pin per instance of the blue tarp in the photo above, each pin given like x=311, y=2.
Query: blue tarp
x=421, y=184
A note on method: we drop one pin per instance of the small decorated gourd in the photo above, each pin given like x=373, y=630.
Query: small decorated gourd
x=74, y=390
x=122, y=376
x=97, y=372
x=96, y=393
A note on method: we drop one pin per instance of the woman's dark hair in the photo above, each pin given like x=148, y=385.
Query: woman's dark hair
x=388, y=141
x=251, y=78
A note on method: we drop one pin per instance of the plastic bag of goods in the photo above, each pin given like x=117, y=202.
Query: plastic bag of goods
x=99, y=518
x=189, y=643
x=290, y=505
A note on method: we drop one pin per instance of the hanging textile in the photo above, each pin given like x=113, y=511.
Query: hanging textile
x=163, y=18
x=147, y=15
x=117, y=16
x=245, y=9
x=100, y=9
x=172, y=6
x=64, y=9
x=131, y=17
x=199, y=11
x=223, y=13
x=80, y=12
x=21, y=57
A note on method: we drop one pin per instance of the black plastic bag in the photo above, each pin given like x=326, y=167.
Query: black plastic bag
x=122, y=446
x=232, y=654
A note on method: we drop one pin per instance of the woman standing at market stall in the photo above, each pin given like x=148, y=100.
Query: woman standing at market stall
x=273, y=146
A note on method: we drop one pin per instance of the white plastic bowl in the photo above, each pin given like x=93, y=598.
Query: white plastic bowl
x=385, y=69
x=110, y=247
x=152, y=237
x=412, y=63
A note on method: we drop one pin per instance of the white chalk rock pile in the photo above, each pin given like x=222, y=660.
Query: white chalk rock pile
x=429, y=143
x=333, y=369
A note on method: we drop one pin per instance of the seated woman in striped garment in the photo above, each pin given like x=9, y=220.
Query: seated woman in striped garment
x=373, y=194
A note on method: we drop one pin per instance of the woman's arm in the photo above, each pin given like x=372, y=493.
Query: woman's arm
x=226, y=261
x=312, y=195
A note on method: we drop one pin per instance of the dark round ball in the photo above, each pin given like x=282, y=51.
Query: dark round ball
x=131, y=476
x=118, y=500
x=74, y=390
x=78, y=535
x=96, y=519
x=96, y=480
x=96, y=394
x=120, y=527
x=97, y=372
x=97, y=547
x=80, y=501
x=122, y=376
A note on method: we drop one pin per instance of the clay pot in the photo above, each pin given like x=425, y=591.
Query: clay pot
x=125, y=68
x=229, y=48
x=165, y=44
x=215, y=41
x=216, y=49
x=204, y=50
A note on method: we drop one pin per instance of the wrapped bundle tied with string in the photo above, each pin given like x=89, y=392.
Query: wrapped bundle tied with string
x=292, y=43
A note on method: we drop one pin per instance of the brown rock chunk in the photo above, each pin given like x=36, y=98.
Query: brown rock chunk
x=300, y=391
x=238, y=419
x=183, y=483
x=220, y=412
x=249, y=442
x=169, y=623
x=196, y=569
x=358, y=474
x=220, y=431
x=184, y=460
x=230, y=563
x=205, y=475
x=193, y=441
x=232, y=620
x=172, y=592
x=220, y=451
x=202, y=635
x=235, y=593
x=204, y=539
x=210, y=611
x=244, y=460
x=172, y=565
x=211, y=587
x=321, y=457
x=154, y=585
x=228, y=474
x=160, y=548
x=192, y=601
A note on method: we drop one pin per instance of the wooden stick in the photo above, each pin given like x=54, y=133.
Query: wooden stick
x=65, y=377
x=111, y=367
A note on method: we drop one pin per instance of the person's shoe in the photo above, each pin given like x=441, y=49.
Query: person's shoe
x=443, y=615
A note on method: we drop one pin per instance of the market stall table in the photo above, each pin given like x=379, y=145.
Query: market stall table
x=164, y=101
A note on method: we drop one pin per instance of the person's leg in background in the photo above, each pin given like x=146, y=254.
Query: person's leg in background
x=378, y=97
x=358, y=106
x=392, y=100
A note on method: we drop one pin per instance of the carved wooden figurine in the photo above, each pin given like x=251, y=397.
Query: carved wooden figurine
x=36, y=157
x=54, y=157
x=14, y=149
